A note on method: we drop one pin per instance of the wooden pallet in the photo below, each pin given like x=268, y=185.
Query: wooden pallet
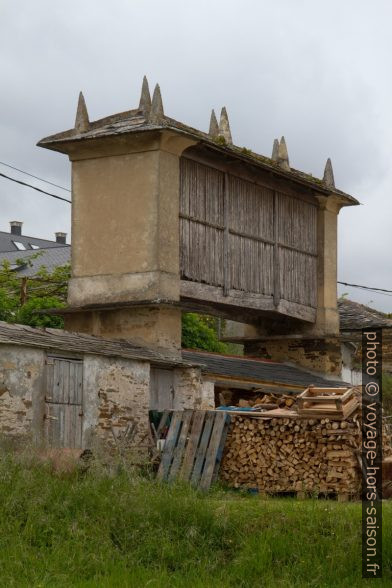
x=194, y=446
x=337, y=403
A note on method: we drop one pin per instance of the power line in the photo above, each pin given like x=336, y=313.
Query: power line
x=379, y=290
x=35, y=188
x=365, y=287
x=32, y=176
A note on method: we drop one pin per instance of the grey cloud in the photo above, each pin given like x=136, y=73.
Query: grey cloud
x=316, y=72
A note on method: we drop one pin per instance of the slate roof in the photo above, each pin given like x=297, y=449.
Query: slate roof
x=59, y=340
x=355, y=316
x=256, y=370
x=51, y=258
x=137, y=121
x=7, y=242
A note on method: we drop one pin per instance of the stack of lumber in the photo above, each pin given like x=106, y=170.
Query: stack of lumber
x=334, y=402
x=283, y=451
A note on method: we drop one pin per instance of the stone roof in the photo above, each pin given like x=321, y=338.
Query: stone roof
x=150, y=117
x=59, y=340
x=355, y=316
x=27, y=263
x=255, y=370
x=7, y=241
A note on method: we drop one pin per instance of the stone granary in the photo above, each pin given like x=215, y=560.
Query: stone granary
x=197, y=223
x=193, y=223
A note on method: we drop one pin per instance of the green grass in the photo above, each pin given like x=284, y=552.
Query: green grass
x=96, y=529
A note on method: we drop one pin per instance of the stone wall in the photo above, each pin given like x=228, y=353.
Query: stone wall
x=191, y=390
x=21, y=391
x=318, y=355
x=116, y=394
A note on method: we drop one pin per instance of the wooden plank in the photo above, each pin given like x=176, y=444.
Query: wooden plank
x=170, y=443
x=192, y=445
x=201, y=450
x=178, y=452
x=212, y=450
x=162, y=422
x=276, y=285
x=221, y=447
x=226, y=254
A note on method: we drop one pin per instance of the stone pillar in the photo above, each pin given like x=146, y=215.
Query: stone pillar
x=125, y=237
x=327, y=319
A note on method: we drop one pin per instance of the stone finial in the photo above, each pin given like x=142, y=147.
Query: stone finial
x=328, y=178
x=224, y=126
x=214, y=127
x=156, y=112
x=82, y=122
x=275, y=150
x=283, y=156
x=145, y=98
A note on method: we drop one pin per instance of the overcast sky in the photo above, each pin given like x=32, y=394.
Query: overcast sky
x=317, y=72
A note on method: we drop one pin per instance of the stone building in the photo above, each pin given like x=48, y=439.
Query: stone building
x=165, y=219
x=197, y=223
x=64, y=389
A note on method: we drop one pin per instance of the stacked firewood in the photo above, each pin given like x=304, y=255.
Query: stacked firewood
x=267, y=401
x=294, y=454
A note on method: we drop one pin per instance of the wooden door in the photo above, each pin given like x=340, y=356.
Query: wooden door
x=161, y=389
x=64, y=402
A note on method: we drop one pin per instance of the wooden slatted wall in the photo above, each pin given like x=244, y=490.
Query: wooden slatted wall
x=245, y=236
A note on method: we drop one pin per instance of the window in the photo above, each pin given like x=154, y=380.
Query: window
x=33, y=246
x=19, y=245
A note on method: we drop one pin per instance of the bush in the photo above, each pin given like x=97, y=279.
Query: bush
x=198, y=334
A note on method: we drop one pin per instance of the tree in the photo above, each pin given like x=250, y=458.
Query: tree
x=22, y=297
x=200, y=332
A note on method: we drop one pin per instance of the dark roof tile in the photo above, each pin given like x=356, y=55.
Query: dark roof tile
x=257, y=370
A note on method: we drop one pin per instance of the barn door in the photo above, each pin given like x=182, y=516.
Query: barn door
x=64, y=402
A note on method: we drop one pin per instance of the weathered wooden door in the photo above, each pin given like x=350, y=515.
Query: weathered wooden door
x=64, y=402
x=161, y=389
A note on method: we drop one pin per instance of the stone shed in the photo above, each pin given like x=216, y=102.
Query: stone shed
x=62, y=389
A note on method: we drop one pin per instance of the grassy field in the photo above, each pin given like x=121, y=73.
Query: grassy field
x=96, y=529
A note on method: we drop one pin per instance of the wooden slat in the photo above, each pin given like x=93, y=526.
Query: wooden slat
x=179, y=449
x=226, y=241
x=244, y=236
x=162, y=422
x=219, y=453
x=212, y=451
x=193, y=443
x=201, y=451
x=170, y=443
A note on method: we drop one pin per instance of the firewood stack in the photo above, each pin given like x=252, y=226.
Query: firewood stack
x=294, y=453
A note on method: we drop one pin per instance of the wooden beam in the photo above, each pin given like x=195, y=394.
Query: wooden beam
x=236, y=301
x=276, y=253
x=226, y=237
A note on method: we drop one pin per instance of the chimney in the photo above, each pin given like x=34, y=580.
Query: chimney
x=61, y=238
x=16, y=227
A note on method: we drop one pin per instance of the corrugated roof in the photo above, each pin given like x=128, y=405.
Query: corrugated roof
x=257, y=370
x=59, y=340
x=7, y=242
x=355, y=316
x=50, y=258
